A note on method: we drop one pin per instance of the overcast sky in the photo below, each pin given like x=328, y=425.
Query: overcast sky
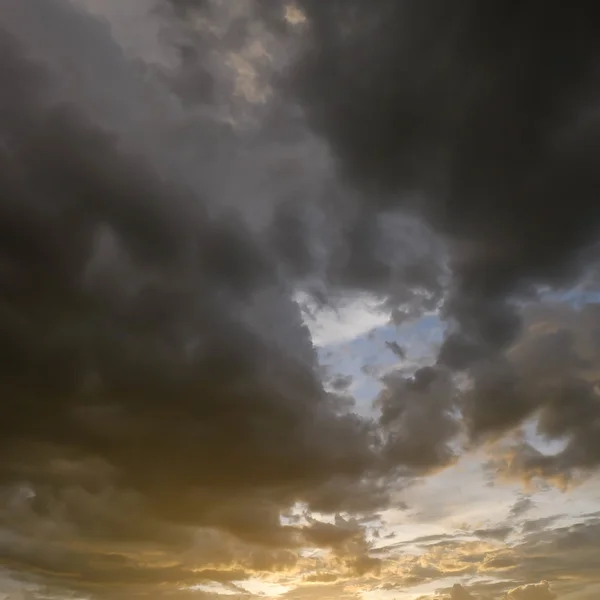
x=299, y=300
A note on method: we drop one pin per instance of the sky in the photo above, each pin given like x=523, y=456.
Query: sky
x=299, y=300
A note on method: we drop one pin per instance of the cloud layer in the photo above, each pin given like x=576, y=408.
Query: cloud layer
x=168, y=192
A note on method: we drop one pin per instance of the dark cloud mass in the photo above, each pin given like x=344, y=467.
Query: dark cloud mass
x=143, y=392
x=481, y=116
x=162, y=412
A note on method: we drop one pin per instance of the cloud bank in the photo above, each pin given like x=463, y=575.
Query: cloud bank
x=168, y=192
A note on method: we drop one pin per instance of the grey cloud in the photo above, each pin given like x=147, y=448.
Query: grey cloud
x=469, y=117
x=533, y=525
x=154, y=366
x=459, y=111
x=159, y=380
x=341, y=382
x=549, y=375
x=566, y=554
x=494, y=533
x=521, y=506
x=416, y=416
x=333, y=534
x=396, y=349
x=511, y=149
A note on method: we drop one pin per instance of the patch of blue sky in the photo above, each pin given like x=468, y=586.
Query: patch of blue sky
x=368, y=356
x=541, y=443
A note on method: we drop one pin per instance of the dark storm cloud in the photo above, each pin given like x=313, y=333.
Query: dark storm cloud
x=161, y=401
x=156, y=377
x=550, y=375
x=394, y=256
x=161, y=398
x=416, y=416
x=473, y=114
x=69, y=193
x=482, y=119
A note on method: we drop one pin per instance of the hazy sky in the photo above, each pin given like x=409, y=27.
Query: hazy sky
x=299, y=300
